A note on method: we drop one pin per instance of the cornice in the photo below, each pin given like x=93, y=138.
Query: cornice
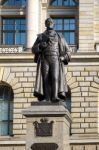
x=27, y=57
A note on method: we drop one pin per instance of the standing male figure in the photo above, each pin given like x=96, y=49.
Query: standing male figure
x=51, y=52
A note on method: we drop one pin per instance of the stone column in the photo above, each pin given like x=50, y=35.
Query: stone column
x=86, y=26
x=48, y=126
x=32, y=22
x=0, y=29
x=43, y=14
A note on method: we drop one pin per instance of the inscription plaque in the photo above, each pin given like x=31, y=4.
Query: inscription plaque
x=44, y=146
x=44, y=128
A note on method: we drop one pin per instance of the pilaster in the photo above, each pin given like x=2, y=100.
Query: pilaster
x=86, y=25
x=44, y=7
x=0, y=29
x=96, y=24
x=32, y=16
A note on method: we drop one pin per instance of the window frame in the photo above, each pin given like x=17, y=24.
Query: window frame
x=66, y=12
x=4, y=5
x=9, y=99
x=62, y=31
x=69, y=16
x=12, y=31
x=62, y=6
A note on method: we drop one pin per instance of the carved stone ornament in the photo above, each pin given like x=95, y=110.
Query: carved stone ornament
x=44, y=146
x=44, y=128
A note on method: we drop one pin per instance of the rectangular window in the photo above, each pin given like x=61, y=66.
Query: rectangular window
x=14, y=31
x=62, y=3
x=15, y=3
x=66, y=27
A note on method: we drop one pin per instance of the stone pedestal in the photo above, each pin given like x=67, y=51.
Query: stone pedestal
x=48, y=126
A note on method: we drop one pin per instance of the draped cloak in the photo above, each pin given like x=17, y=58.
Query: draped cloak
x=64, y=51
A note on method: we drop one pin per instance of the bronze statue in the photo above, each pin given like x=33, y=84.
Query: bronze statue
x=51, y=53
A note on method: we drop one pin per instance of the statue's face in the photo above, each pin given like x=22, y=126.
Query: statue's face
x=49, y=23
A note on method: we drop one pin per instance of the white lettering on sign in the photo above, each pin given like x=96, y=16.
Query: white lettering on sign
x=11, y=50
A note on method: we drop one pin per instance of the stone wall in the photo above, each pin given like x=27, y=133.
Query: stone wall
x=85, y=147
x=96, y=21
x=12, y=147
x=84, y=84
x=82, y=79
x=19, y=71
x=86, y=25
x=21, y=77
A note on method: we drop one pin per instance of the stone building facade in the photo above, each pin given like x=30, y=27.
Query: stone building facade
x=17, y=70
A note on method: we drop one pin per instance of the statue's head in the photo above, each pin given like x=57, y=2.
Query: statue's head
x=49, y=23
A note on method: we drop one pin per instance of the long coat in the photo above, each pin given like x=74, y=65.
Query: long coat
x=64, y=51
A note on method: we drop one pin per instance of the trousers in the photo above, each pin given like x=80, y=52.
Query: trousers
x=50, y=74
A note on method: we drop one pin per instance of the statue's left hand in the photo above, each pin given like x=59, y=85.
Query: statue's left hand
x=62, y=58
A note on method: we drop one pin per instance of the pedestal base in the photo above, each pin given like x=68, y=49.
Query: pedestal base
x=48, y=126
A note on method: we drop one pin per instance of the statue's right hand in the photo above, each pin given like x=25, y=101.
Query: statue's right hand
x=43, y=45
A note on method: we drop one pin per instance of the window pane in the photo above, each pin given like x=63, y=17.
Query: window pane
x=17, y=24
x=66, y=2
x=3, y=111
x=6, y=110
x=13, y=30
x=54, y=3
x=8, y=38
x=62, y=3
x=11, y=110
x=23, y=24
x=10, y=2
x=8, y=24
x=0, y=111
x=3, y=128
x=23, y=38
x=58, y=24
x=67, y=27
x=20, y=38
x=67, y=37
x=1, y=93
x=72, y=38
x=23, y=3
x=15, y=3
x=59, y=2
x=72, y=3
x=20, y=24
x=72, y=24
x=66, y=24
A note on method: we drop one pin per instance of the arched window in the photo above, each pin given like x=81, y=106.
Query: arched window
x=63, y=3
x=6, y=109
x=15, y=3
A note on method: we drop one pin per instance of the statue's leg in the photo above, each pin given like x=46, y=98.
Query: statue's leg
x=54, y=71
x=45, y=75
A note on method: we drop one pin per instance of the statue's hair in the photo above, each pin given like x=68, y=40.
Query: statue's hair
x=48, y=19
